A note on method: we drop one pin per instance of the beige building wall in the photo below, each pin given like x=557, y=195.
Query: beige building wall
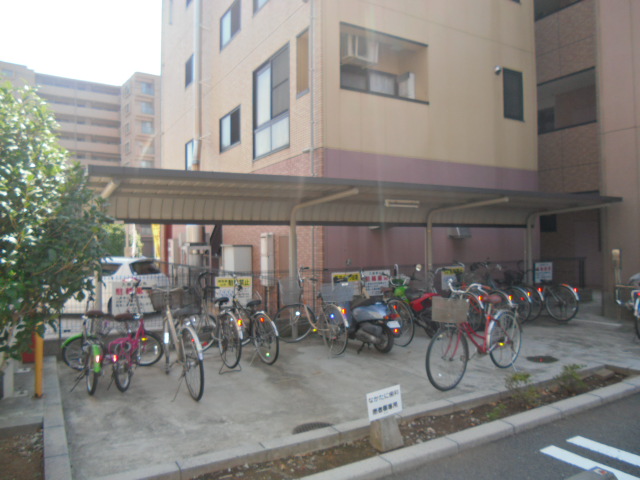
x=618, y=43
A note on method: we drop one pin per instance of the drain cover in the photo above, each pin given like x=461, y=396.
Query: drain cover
x=307, y=427
x=542, y=359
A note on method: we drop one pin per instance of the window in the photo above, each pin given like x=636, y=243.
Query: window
x=513, y=94
x=377, y=63
x=147, y=88
x=230, y=130
x=147, y=127
x=147, y=107
x=302, y=64
x=127, y=148
x=230, y=24
x=258, y=4
x=189, y=159
x=271, y=104
x=126, y=129
x=188, y=72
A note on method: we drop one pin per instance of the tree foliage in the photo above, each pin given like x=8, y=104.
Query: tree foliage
x=51, y=224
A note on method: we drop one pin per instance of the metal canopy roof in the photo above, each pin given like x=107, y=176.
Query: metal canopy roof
x=195, y=197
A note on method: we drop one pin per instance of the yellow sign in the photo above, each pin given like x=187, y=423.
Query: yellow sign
x=155, y=229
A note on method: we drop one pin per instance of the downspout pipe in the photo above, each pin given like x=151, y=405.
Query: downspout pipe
x=293, y=239
x=429, y=232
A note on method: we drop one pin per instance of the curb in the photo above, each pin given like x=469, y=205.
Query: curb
x=396, y=461
x=57, y=463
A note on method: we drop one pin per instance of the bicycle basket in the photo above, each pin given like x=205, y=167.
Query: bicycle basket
x=337, y=293
x=290, y=290
x=161, y=297
x=100, y=326
x=449, y=310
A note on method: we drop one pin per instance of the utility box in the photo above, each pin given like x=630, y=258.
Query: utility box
x=267, y=260
x=237, y=258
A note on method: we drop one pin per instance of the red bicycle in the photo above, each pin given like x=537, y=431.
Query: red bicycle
x=448, y=351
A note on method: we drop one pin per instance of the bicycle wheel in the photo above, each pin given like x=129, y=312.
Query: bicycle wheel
x=475, y=314
x=205, y=326
x=72, y=353
x=561, y=302
x=229, y=341
x=193, y=369
x=505, y=339
x=537, y=303
x=294, y=322
x=150, y=349
x=521, y=301
x=92, y=368
x=122, y=372
x=332, y=327
x=403, y=316
x=265, y=338
x=447, y=357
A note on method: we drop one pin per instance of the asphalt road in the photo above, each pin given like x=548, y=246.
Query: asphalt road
x=548, y=452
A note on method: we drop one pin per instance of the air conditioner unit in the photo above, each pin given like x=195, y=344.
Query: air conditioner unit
x=459, y=232
x=407, y=85
x=358, y=50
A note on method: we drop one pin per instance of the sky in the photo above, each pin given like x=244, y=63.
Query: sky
x=103, y=41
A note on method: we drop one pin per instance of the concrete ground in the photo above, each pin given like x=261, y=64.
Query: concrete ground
x=156, y=421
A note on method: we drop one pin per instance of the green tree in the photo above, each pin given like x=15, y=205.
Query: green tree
x=116, y=239
x=51, y=224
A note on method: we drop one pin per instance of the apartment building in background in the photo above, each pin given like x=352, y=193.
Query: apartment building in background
x=588, y=63
x=440, y=92
x=101, y=124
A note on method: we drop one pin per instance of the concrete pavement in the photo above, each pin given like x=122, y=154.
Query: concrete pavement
x=155, y=430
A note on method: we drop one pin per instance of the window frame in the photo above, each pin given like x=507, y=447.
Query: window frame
x=189, y=154
x=257, y=7
x=188, y=71
x=279, y=117
x=236, y=7
x=232, y=122
x=513, y=94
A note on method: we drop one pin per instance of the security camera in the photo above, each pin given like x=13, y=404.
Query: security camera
x=497, y=69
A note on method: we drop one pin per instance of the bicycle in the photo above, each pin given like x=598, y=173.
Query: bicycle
x=150, y=348
x=632, y=303
x=257, y=326
x=448, y=352
x=295, y=319
x=90, y=354
x=180, y=336
x=126, y=352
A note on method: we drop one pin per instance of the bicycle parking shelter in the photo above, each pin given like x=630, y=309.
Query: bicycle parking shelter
x=143, y=195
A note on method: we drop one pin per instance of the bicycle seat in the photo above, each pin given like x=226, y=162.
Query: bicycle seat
x=186, y=311
x=124, y=317
x=253, y=303
x=493, y=299
x=220, y=300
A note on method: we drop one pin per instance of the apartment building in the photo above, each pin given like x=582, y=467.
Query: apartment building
x=440, y=92
x=100, y=124
x=588, y=60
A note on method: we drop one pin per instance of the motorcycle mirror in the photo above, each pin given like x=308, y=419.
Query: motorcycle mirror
x=418, y=267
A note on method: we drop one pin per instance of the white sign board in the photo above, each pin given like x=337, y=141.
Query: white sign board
x=376, y=280
x=226, y=285
x=384, y=403
x=543, y=272
x=120, y=299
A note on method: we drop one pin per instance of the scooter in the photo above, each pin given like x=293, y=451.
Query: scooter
x=370, y=321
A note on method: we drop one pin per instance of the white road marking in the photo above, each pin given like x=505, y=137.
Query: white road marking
x=612, y=452
x=582, y=462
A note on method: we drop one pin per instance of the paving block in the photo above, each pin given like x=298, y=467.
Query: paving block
x=223, y=459
x=439, y=407
x=577, y=404
x=369, y=469
x=410, y=458
x=616, y=391
x=57, y=468
x=162, y=471
x=301, y=442
x=353, y=430
x=488, y=432
x=533, y=418
x=55, y=442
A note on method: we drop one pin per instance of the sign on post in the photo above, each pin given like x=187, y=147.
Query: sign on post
x=376, y=280
x=543, y=272
x=226, y=286
x=450, y=273
x=384, y=403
